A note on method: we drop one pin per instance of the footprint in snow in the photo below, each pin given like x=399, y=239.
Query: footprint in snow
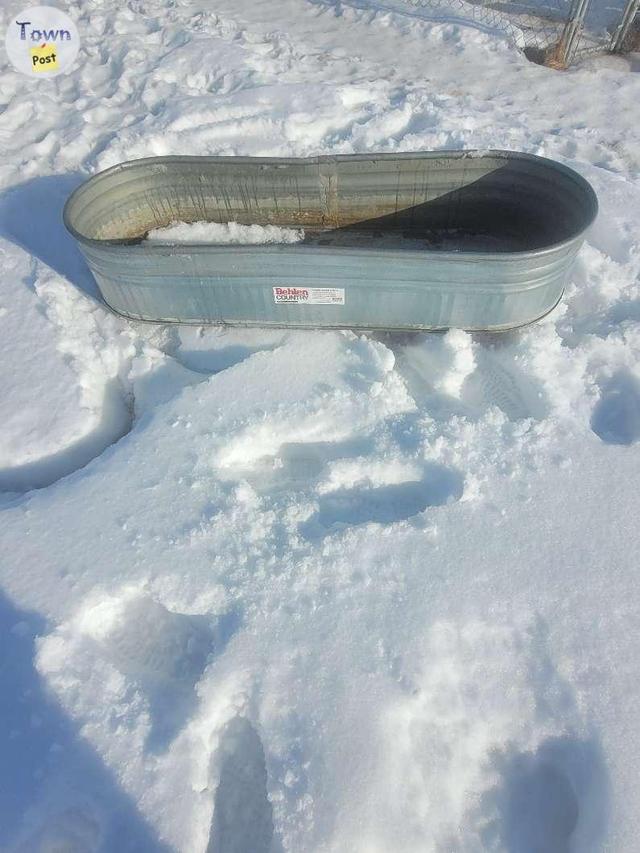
x=473, y=745
x=496, y=382
x=384, y=504
x=459, y=373
x=164, y=653
x=543, y=796
x=297, y=465
x=616, y=416
x=208, y=350
x=242, y=814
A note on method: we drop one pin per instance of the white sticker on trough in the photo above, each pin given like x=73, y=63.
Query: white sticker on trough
x=309, y=295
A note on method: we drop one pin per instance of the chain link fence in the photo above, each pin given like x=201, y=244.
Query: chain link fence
x=553, y=32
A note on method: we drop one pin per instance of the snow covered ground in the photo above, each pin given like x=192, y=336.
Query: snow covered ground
x=268, y=591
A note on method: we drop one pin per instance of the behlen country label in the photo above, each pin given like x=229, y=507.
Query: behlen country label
x=308, y=295
x=42, y=41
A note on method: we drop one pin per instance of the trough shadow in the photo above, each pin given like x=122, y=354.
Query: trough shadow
x=31, y=217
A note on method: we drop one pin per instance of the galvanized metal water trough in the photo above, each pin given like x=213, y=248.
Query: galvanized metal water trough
x=425, y=240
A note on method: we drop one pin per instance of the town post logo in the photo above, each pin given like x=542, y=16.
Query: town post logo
x=42, y=41
x=44, y=58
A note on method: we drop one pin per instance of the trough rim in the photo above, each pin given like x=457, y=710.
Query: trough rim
x=177, y=248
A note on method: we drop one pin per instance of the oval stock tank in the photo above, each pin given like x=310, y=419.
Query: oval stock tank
x=426, y=240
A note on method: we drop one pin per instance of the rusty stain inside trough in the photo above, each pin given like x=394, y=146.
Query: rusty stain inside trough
x=475, y=240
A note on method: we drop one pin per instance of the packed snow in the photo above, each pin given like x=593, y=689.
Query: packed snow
x=224, y=232
x=270, y=590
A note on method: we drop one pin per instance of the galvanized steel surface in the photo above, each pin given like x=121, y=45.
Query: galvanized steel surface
x=500, y=231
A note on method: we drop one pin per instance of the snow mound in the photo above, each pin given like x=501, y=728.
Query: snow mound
x=224, y=233
x=442, y=361
x=147, y=642
x=131, y=637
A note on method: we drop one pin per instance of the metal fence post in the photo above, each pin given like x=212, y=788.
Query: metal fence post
x=621, y=32
x=568, y=44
